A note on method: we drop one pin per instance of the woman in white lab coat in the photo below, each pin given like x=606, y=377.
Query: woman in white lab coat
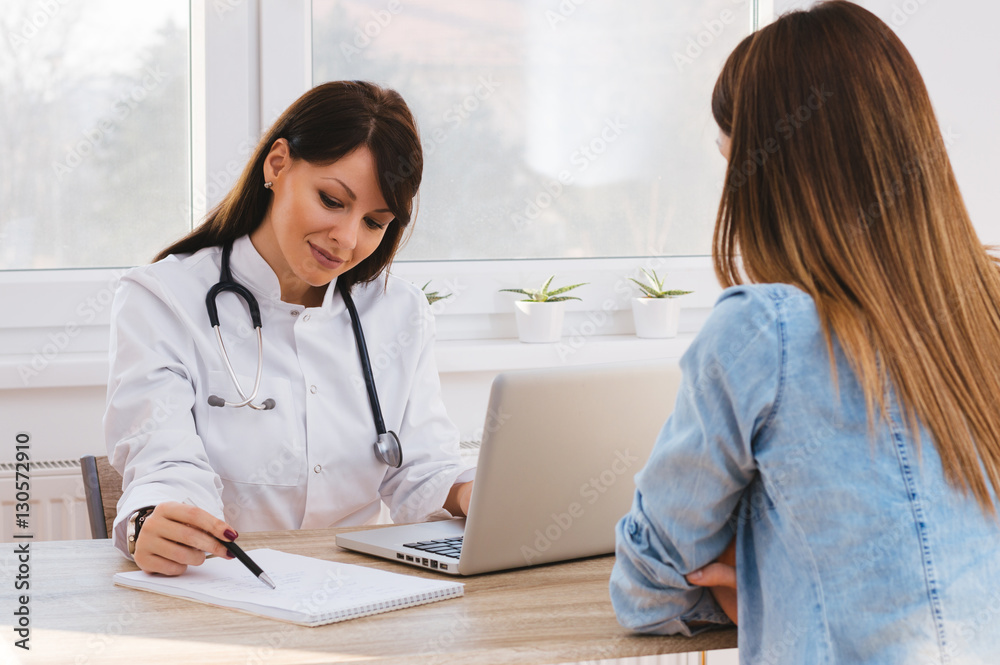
x=322, y=205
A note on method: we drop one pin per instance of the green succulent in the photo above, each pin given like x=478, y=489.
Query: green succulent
x=544, y=295
x=655, y=287
x=433, y=296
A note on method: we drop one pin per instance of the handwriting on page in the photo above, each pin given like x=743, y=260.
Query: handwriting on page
x=230, y=579
x=308, y=590
x=244, y=581
x=313, y=585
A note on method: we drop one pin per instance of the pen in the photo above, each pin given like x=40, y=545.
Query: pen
x=238, y=552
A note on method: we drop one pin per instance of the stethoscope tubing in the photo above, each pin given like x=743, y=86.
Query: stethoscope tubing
x=366, y=368
x=247, y=401
x=226, y=283
x=387, y=446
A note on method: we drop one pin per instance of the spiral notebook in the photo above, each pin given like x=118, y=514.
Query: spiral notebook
x=310, y=592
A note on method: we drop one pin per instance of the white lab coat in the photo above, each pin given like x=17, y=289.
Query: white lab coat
x=309, y=462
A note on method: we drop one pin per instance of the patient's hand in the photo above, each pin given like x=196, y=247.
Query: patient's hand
x=720, y=577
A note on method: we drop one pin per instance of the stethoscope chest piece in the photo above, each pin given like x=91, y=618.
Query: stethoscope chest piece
x=388, y=450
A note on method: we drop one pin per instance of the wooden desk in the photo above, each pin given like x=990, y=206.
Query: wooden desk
x=547, y=614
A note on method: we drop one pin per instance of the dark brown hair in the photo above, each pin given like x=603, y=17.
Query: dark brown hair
x=323, y=125
x=839, y=183
x=725, y=86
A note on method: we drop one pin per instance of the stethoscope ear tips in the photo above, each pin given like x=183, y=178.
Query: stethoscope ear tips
x=215, y=400
x=268, y=404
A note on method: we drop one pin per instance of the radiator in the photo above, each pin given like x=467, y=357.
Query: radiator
x=58, y=503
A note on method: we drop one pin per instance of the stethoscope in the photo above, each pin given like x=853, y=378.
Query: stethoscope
x=387, y=448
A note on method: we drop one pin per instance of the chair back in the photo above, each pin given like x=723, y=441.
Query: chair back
x=103, y=487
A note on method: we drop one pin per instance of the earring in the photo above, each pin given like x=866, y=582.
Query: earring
x=268, y=185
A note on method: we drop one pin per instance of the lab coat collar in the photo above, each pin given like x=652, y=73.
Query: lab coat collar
x=250, y=269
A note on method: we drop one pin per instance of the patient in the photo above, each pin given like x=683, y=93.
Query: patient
x=840, y=410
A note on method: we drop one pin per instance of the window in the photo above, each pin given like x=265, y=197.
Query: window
x=550, y=129
x=574, y=135
x=94, y=132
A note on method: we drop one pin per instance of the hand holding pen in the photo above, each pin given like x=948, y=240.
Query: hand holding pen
x=177, y=535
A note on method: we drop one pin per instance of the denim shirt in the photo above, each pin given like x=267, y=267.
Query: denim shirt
x=851, y=547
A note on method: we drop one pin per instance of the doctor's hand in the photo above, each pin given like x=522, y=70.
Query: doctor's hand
x=177, y=535
x=720, y=577
x=457, y=502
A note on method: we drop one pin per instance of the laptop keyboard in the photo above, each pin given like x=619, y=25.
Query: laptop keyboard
x=449, y=547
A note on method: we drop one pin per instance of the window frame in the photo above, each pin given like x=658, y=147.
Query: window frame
x=249, y=60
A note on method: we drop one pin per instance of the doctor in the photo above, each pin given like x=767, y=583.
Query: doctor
x=284, y=439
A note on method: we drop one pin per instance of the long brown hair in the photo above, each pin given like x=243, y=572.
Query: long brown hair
x=323, y=125
x=839, y=183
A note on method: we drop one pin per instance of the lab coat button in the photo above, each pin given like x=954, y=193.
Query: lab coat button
x=295, y=312
x=317, y=468
x=313, y=389
x=306, y=317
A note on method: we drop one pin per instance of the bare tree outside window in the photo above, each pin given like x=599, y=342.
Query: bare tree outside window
x=94, y=131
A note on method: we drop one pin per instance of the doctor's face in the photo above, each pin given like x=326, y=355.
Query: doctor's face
x=323, y=220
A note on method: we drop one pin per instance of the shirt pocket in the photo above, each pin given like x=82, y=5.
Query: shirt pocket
x=254, y=447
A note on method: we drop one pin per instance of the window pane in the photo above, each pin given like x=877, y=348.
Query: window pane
x=94, y=133
x=550, y=129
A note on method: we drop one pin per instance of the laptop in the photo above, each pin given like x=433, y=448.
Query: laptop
x=559, y=452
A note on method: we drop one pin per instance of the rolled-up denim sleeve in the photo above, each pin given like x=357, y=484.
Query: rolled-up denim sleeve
x=700, y=466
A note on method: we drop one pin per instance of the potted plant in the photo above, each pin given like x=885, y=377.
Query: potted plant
x=433, y=296
x=657, y=311
x=540, y=315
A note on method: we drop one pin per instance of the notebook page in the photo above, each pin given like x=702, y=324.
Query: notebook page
x=307, y=589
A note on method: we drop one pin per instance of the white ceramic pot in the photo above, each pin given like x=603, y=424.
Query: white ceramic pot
x=655, y=318
x=539, y=322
